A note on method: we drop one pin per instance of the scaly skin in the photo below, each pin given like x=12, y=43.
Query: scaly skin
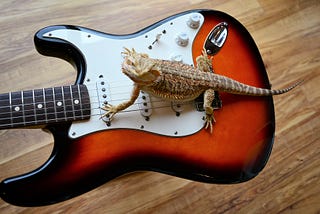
x=176, y=81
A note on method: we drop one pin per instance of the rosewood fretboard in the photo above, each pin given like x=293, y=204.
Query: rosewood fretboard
x=44, y=106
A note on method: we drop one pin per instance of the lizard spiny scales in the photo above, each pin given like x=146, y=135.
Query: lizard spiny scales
x=177, y=81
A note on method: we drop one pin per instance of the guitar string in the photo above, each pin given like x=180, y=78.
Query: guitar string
x=157, y=100
x=97, y=90
x=63, y=119
x=91, y=109
x=91, y=114
x=55, y=110
x=51, y=96
x=34, y=104
x=115, y=85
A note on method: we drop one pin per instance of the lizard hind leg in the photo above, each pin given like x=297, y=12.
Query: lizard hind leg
x=209, y=96
x=204, y=63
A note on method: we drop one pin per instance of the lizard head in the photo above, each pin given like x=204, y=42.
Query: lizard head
x=139, y=67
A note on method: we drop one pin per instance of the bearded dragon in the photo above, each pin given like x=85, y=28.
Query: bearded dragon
x=176, y=81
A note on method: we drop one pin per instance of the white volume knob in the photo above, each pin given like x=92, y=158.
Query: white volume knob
x=194, y=21
x=182, y=39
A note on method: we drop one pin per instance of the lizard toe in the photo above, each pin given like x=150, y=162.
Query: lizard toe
x=209, y=122
x=110, y=111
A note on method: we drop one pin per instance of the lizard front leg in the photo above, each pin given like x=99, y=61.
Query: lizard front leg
x=207, y=101
x=111, y=110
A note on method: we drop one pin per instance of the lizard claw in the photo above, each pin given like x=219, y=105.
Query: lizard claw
x=209, y=121
x=110, y=111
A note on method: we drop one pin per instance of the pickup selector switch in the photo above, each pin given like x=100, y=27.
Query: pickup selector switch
x=194, y=21
x=182, y=39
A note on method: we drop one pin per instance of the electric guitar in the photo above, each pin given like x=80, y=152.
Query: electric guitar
x=152, y=134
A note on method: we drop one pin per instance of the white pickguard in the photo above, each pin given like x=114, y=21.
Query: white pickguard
x=106, y=82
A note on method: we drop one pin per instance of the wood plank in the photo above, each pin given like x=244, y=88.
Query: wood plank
x=287, y=33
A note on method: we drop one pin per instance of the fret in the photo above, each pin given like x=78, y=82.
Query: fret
x=54, y=105
x=79, y=95
x=76, y=101
x=34, y=107
x=72, y=105
x=50, y=108
x=85, y=100
x=5, y=109
x=58, y=104
x=16, y=102
x=39, y=103
x=64, y=105
x=22, y=108
x=44, y=106
x=10, y=103
x=28, y=107
x=68, y=102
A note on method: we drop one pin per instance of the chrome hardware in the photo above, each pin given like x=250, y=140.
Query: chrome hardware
x=216, y=38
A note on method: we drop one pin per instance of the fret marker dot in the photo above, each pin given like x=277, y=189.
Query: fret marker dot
x=76, y=102
x=59, y=103
x=17, y=108
x=39, y=105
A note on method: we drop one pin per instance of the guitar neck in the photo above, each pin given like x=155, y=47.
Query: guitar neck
x=44, y=106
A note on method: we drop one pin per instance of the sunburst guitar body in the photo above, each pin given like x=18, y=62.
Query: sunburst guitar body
x=153, y=134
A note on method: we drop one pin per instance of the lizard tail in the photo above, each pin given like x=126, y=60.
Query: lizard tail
x=234, y=87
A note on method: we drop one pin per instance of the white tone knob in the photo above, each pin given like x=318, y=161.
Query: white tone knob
x=194, y=21
x=182, y=39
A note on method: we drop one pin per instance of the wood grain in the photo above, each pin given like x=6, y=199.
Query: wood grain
x=287, y=33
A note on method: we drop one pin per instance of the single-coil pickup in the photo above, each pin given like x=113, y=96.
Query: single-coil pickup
x=145, y=104
x=103, y=94
x=177, y=107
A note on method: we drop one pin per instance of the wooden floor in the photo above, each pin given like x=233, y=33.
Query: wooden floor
x=287, y=33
